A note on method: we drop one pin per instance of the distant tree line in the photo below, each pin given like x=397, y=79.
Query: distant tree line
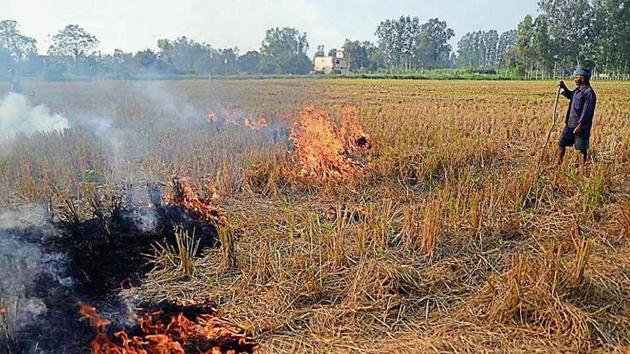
x=564, y=34
x=402, y=44
x=74, y=53
x=486, y=49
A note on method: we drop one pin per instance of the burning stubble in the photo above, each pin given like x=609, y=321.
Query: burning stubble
x=419, y=255
x=54, y=265
x=322, y=150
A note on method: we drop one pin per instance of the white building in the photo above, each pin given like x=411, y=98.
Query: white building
x=328, y=65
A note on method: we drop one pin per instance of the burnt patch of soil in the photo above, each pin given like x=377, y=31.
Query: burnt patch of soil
x=107, y=253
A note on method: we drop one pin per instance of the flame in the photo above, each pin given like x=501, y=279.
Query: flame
x=215, y=192
x=319, y=147
x=250, y=123
x=208, y=334
x=186, y=197
x=351, y=130
x=236, y=117
x=96, y=321
x=212, y=117
x=262, y=121
x=258, y=124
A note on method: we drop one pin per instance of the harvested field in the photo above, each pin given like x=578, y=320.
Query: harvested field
x=422, y=225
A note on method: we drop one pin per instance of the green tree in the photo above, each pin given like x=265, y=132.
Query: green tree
x=228, y=59
x=611, y=28
x=485, y=49
x=283, y=51
x=505, y=48
x=19, y=46
x=6, y=61
x=433, y=43
x=398, y=42
x=491, y=53
x=356, y=53
x=249, y=62
x=147, y=59
x=73, y=41
x=298, y=65
x=123, y=65
x=468, y=51
x=406, y=44
x=570, y=27
x=525, y=45
x=375, y=55
x=186, y=56
x=541, y=46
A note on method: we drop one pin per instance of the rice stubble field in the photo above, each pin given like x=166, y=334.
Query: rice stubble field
x=441, y=234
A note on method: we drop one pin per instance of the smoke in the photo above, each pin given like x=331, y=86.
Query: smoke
x=174, y=107
x=19, y=117
x=128, y=132
x=30, y=275
x=24, y=262
x=42, y=272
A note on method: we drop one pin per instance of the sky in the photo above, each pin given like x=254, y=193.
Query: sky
x=133, y=25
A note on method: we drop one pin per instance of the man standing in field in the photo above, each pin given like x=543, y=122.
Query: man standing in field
x=579, y=119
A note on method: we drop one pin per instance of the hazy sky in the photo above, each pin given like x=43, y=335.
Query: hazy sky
x=132, y=25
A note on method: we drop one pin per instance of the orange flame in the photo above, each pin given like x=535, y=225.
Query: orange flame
x=351, y=130
x=258, y=124
x=236, y=117
x=208, y=334
x=249, y=123
x=186, y=197
x=319, y=148
x=212, y=117
x=96, y=321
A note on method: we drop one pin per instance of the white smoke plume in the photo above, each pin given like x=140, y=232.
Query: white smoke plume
x=22, y=261
x=19, y=116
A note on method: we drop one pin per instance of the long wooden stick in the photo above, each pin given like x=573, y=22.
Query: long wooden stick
x=554, y=120
x=553, y=125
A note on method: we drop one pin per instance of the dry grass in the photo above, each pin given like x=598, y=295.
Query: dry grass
x=178, y=258
x=449, y=239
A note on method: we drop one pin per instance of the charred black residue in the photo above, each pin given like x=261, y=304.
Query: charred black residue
x=107, y=251
x=57, y=263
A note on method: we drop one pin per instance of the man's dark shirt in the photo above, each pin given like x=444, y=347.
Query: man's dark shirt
x=582, y=107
